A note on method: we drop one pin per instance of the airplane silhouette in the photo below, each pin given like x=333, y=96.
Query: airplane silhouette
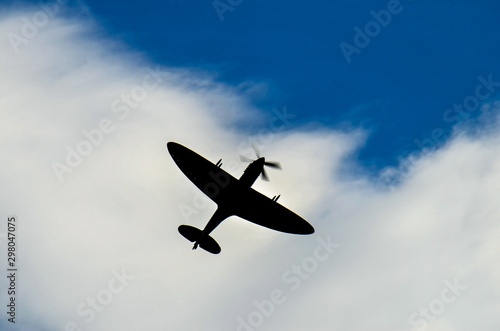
x=233, y=197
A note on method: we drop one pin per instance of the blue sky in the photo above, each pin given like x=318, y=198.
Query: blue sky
x=398, y=87
x=425, y=60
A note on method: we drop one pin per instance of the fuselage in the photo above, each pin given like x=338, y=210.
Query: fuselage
x=252, y=172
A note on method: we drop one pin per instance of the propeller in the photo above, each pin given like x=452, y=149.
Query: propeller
x=275, y=165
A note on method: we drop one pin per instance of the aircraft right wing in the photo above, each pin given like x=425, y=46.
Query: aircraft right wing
x=259, y=209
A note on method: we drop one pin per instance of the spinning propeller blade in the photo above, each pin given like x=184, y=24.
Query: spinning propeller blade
x=264, y=175
x=256, y=150
x=245, y=159
x=276, y=165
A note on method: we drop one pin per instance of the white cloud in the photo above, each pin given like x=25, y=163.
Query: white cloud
x=119, y=208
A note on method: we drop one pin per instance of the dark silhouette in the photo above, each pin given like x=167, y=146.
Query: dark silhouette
x=233, y=197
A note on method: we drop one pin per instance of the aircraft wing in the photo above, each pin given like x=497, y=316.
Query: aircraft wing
x=259, y=209
x=209, y=178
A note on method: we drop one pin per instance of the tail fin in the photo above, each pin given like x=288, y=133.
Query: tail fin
x=205, y=241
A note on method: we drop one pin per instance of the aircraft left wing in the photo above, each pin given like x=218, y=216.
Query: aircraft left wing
x=208, y=177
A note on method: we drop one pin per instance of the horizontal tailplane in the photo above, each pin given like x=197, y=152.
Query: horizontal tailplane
x=204, y=241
